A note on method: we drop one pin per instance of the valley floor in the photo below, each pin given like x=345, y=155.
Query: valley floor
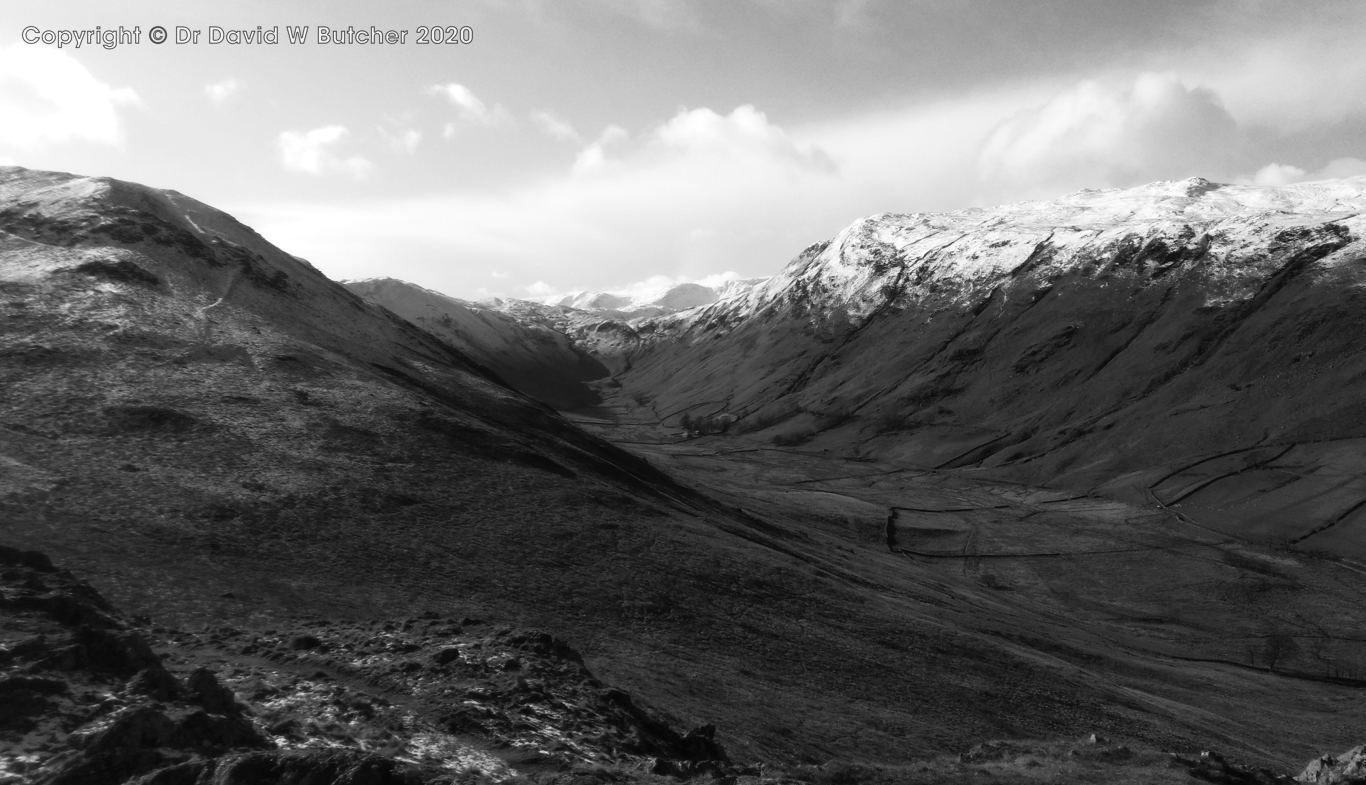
x=1188, y=631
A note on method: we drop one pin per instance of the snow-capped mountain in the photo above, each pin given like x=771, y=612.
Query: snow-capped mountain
x=661, y=300
x=1107, y=338
x=970, y=249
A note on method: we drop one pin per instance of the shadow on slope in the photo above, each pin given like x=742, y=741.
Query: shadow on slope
x=533, y=359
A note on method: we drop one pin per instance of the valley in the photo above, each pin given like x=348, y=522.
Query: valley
x=1156, y=607
x=940, y=485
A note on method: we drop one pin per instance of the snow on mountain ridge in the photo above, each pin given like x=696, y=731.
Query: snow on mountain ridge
x=660, y=300
x=889, y=255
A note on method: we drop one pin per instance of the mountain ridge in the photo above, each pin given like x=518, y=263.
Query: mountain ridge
x=533, y=358
x=947, y=341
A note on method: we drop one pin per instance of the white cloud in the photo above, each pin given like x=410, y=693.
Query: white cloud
x=471, y=109
x=594, y=156
x=220, y=92
x=716, y=279
x=404, y=141
x=1342, y=167
x=743, y=140
x=554, y=127
x=1285, y=174
x=311, y=152
x=1094, y=135
x=47, y=97
x=702, y=191
x=1278, y=174
x=744, y=135
x=541, y=289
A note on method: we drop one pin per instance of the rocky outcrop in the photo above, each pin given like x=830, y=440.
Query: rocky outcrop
x=87, y=701
x=76, y=673
x=1348, y=768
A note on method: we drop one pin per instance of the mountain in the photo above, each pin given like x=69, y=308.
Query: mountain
x=534, y=359
x=287, y=482
x=665, y=299
x=1185, y=342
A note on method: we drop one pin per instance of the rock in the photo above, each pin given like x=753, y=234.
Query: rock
x=304, y=642
x=699, y=744
x=1213, y=767
x=154, y=683
x=544, y=645
x=25, y=697
x=187, y=773
x=139, y=739
x=36, y=684
x=120, y=652
x=30, y=559
x=118, y=747
x=209, y=693
x=1348, y=768
x=315, y=767
x=446, y=656
x=200, y=729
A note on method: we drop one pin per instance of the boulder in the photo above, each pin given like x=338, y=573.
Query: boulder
x=1348, y=768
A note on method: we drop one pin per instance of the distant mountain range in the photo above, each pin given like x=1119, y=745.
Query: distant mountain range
x=657, y=302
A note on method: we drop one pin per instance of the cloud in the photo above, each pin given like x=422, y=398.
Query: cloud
x=471, y=109
x=220, y=92
x=47, y=98
x=744, y=138
x=744, y=134
x=554, y=127
x=404, y=141
x=311, y=152
x=594, y=156
x=1093, y=135
x=716, y=279
x=1277, y=174
x=657, y=285
x=699, y=192
x=541, y=289
x=1285, y=174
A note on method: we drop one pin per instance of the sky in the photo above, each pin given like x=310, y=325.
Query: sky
x=610, y=145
